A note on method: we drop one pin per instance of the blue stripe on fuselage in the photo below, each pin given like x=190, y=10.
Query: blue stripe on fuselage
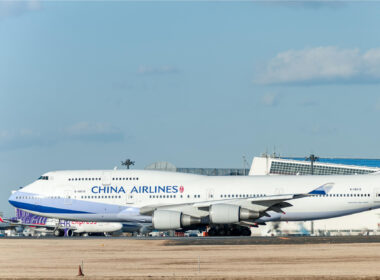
x=44, y=209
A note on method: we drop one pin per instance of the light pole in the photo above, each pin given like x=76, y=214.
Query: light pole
x=244, y=160
x=312, y=159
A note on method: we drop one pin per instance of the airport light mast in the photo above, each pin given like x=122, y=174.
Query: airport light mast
x=127, y=163
x=312, y=159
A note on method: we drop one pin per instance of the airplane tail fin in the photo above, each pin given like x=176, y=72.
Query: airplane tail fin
x=322, y=190
x=1, y=220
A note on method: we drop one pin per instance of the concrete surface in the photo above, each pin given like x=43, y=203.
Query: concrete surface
x=154, y=259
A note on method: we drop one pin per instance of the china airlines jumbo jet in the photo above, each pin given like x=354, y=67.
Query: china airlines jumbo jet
x=176, y=200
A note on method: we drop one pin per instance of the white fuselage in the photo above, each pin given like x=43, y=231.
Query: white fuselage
x=119, y=195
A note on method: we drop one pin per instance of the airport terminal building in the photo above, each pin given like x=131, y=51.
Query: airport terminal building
x=274, y=165
x=267, y=165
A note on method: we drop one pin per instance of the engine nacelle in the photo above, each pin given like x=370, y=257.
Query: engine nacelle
x=228, y=214
x=166, y=219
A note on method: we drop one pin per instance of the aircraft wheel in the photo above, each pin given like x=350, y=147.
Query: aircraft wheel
x=246, y=232
x=222, y=232
x=58, y=232
x=212, y=232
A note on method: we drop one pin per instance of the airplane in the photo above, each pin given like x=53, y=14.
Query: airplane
x=172, y=201
x=7, y=224
x=43, y=225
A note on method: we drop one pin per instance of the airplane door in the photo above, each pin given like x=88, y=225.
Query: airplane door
x=376, y=195
x=129, y=199
x=209, y=194
x=133, y=198
x=68, y=199
x=279, y=191
x=106, y=178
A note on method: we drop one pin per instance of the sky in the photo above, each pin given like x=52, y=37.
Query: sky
x=86, y=84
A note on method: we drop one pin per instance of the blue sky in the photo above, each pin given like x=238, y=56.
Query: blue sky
x=84, y=85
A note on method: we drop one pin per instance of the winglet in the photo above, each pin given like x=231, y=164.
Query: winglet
x=322, y=190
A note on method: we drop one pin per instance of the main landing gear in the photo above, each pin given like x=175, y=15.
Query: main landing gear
x=60, y=232
x=228, y=230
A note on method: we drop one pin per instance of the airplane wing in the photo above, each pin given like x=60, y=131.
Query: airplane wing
x=7, y=224
x=51, y=227
x=260, y=205
x=11, y=220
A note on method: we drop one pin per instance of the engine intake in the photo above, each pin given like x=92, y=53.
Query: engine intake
x=228, y=214
x=166, y=219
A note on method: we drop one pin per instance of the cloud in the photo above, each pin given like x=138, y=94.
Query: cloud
x=23, y=138
x=322, y=65
x=16, y=8
x=160, y=70
x=93, y=132
x=319, y=129
x=269, y=99
x=86, y=132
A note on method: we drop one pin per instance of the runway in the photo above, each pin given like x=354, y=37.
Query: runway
x=191, y=258
x=229, y=240
x=272, y=240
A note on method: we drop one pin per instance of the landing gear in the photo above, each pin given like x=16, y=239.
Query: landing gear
x=228, y=230
x=58, y=232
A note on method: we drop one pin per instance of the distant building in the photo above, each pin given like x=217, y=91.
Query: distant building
x=362, y=223
x=267, y=165
x=167, y=166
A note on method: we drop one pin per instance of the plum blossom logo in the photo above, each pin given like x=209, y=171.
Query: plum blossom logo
x=181, y=189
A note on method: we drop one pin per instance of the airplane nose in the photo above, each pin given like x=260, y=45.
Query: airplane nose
x=13, y=198
x=118, y=226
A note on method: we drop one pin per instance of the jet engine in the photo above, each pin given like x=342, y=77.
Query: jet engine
x=228, y=214
x=166, y=219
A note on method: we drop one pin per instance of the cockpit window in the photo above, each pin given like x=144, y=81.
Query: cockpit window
x=43, y=178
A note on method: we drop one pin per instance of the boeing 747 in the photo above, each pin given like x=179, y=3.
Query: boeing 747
x=171, y=200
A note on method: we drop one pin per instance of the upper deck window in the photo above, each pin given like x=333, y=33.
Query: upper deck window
x=43, y=178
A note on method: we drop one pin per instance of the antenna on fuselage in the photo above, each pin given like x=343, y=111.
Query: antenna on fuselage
x=127, y=163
